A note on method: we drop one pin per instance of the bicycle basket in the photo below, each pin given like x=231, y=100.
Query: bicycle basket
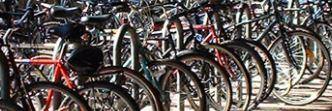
x=85, y=59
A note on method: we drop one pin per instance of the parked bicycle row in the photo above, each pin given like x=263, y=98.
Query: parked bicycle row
x=162, y=55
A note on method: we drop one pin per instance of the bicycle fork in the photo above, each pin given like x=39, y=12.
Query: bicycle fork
x=288, y=53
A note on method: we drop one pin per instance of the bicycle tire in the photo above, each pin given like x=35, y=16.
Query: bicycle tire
x=134, y=46
x=187, y=72
x=74, y=96
x=111, y=88
x=305, y=33
x=325, y=38
x=190, y=55
x=247, y=80
x=269, y=64
x=258, y=63
x=301, y=68
x=154, y=94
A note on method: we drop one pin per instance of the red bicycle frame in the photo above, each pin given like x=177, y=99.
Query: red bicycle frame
x=59, y=71
x=222, y=59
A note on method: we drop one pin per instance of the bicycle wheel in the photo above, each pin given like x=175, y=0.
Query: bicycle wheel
x=179, y=85
x=268, y=63
x=296, y=63
x=40, y=96
x=145, y=93
x=255, y=65
x=107, y=96
x=125, y=50
x=213, y=76
x=325, y=32
x=298, y=92
x=239, y=76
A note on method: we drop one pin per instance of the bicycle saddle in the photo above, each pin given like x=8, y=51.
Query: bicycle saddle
x=62, y=12
x=95, y=20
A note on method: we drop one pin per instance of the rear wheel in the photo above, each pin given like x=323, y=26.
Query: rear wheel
x=255, y=65
x=180, y=85
x=213, y=76
x=239, y=76
x=325, y=32
x=108, y=96
x=50, y=96
x=269, y=64
x=137, y=85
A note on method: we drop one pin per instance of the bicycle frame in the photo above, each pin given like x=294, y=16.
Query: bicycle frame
x=278, y=21
x=137, y=49
x=212, y=36
x=60, y=69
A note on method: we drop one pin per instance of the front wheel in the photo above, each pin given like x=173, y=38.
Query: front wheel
x=51, y=96
x=312, y=58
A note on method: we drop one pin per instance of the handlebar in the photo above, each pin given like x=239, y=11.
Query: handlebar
x=28, y=12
